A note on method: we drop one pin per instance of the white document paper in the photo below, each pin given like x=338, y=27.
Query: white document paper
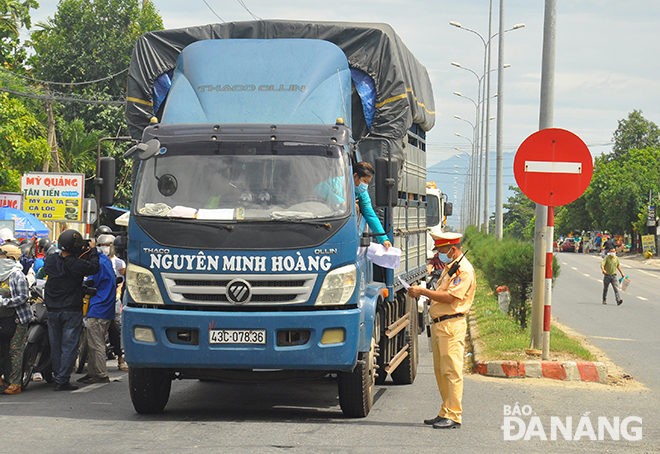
x=219, y=214
x=382, y=257
x=404, y=283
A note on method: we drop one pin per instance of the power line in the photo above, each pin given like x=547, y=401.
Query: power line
x=242, y=3
x=62, y=98
x=216, y=14
x=50, y=82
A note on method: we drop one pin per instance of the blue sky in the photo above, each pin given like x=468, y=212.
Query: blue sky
x=606, y=57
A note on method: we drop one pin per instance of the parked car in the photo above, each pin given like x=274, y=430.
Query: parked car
x=569, y=245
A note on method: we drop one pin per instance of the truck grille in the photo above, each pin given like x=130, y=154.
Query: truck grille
x=265, y=288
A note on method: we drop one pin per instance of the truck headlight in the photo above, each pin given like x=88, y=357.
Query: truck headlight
x=142, y=285
x=338, y=286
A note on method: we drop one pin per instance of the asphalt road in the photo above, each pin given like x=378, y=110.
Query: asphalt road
x=209, y=417
x=305, y=416
x=627, y=333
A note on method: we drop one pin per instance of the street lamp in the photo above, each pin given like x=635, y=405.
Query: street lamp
x=486, y=95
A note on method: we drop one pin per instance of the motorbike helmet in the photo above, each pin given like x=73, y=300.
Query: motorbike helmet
x=121, y=242
x=102, y=230
x=42, y=242
x=71, y=241
x=9, y=251
x=105, y=239
x=27, y=247
x=45, y=247
x=53, y=250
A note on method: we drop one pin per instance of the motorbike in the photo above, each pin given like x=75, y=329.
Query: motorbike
x=36, y=355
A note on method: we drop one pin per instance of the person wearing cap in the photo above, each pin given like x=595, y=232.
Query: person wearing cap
x=14, y=296
x=450, y=302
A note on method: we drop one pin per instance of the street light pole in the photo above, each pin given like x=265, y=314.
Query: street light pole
x=485, y=96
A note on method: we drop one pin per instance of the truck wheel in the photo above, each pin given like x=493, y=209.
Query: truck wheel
x=356, y=388
x=29, y=358
x=406, y=372
x=150, y=389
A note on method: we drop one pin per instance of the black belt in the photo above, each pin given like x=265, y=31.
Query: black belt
x=446, y=317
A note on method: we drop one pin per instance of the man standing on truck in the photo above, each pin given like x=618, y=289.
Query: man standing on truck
x=450, y=302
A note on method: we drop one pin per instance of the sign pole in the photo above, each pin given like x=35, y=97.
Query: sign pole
x=548, y=284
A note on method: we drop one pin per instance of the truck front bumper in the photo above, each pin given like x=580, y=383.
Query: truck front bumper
x=181, y=339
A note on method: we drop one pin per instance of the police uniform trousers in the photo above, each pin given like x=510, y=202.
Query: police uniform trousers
x=448, y=345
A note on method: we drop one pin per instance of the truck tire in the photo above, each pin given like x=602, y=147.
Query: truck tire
x=356, y=388
x=406, y=372
x=150, y=389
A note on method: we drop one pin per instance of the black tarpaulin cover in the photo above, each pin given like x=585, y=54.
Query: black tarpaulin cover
x=403, y=90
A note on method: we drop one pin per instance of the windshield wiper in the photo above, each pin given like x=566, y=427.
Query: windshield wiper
x=228, y=227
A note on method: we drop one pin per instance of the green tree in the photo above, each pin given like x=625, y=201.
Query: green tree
x=23, y=147
x=634, y=132
x=619, y=189
x=518, y=216
x=99, y=36
x=14, y=15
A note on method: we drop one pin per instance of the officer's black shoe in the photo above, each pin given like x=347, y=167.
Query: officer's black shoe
x=430, y=422
x=445, y=423
x=619, y=303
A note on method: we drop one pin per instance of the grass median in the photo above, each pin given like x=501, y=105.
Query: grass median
x=500, y=337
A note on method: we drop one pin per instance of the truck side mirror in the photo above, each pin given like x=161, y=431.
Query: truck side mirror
x=387, y=172
x=106, y=181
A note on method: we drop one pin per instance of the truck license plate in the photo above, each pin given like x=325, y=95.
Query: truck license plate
x=237, y=336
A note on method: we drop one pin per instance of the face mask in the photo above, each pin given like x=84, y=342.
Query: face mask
x=611, y=254
x=444, y=258
x=104, y=250
x=362, y=187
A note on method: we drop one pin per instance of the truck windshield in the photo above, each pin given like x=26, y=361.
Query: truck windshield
x=257, y=181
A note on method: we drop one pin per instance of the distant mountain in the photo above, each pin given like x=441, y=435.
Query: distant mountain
x=444, y=173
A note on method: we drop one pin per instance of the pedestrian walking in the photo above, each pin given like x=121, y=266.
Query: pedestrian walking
x=609, y=265
x=450, y=301
x=64, y=301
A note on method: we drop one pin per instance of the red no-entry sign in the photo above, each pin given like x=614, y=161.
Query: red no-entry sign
x=553, y=167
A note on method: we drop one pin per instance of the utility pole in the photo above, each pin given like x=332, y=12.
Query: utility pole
x=51, y=138
x=545, y=121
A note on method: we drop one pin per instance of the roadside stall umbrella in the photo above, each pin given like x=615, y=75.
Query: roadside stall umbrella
x=26, y=225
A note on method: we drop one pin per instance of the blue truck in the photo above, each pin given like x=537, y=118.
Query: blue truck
x=239, y=267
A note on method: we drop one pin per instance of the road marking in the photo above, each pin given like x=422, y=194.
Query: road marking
x=89, y=388
x=613, y=338
x=574, y=268
x=642, y=298
x=16, y=403
x=597, y=280
x=586, y=275
x=649, y=274
x=625, y=266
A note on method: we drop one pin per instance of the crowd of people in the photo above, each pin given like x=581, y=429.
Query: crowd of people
x=64, y=266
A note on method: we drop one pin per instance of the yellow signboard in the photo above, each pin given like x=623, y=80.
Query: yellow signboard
x=53, y=196
x=648, y=243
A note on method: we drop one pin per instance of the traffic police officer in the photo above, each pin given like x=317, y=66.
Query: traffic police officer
x=450, y=302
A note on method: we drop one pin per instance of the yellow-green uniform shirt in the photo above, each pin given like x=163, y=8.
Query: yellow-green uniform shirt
x=611, y=264
x=461, y=286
